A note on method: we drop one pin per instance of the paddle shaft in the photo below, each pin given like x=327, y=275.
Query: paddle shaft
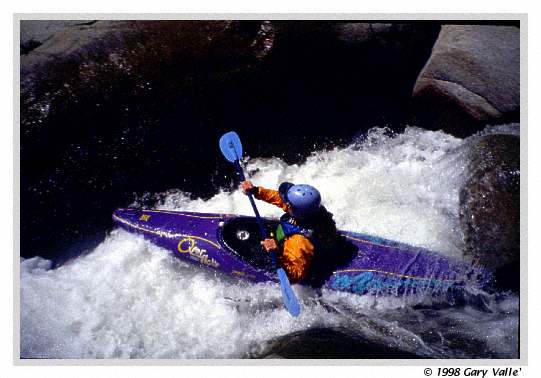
x=231, y=148
x=252, y=202
x=256, y=212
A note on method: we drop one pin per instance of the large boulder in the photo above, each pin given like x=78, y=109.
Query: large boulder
x=332, y=343
x=64, y=59
x=490, y=206
x=105, y=103
x=43, y=40
x=113, y=108
x=471, y=79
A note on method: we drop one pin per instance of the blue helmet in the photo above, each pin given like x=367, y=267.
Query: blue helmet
x=304, y=200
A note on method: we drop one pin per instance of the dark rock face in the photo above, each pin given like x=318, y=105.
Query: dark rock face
x=471, y=79
x=42, y=40
x=330, y=343
x=490, y=207
x=402, y=38
x=386, y=58
x=113, y=109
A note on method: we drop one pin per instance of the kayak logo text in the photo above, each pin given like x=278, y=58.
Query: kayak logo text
x=189, y=245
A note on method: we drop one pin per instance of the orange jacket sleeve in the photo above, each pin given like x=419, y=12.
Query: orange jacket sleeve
x=296, y=257
x=270, y=196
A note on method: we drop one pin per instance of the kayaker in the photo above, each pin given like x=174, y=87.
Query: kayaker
x=305, y=228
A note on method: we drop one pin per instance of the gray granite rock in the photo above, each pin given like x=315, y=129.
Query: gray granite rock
x=490, y=206
x=471, y=79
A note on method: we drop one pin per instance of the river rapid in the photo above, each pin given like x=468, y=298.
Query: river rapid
x=127, y=298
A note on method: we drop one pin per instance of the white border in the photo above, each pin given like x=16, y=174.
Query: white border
x=368, y=17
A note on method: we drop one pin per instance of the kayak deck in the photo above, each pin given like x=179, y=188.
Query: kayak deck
x=357, y=263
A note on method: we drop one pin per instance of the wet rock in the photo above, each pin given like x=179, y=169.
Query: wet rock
x=110, y=108
x=387, y=59
x=82, y=58
x=471, y=79
x=490, y=206
x=58, y=38
x=114, y=109
x=397, y=36
x=330, y=343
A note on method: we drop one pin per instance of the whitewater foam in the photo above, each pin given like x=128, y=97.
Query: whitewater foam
x=399, y=187
x=131, y=299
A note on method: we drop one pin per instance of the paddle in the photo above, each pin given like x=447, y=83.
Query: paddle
x=232, y=150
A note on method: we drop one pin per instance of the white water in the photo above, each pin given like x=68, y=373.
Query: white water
x=130, y=299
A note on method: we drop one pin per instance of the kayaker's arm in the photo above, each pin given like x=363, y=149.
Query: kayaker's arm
x=267, y=195
x=296, y=257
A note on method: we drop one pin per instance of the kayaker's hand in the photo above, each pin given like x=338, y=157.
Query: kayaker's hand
x=247, y=186
x=269, y=245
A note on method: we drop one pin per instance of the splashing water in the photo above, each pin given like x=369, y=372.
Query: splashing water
x=131, y=299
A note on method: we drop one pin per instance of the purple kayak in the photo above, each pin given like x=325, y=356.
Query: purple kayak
x=357, y=263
